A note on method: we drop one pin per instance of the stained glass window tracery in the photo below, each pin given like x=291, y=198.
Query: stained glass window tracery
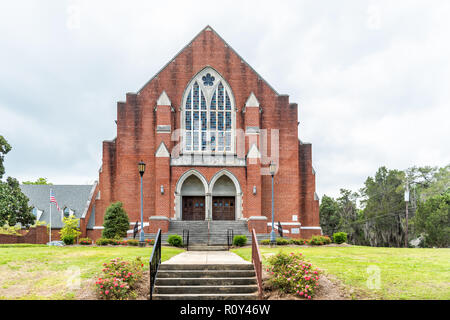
x=208, y=122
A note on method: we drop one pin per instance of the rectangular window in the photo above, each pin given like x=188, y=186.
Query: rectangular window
x=195, y=141
x=188, y=120
x=204, y=120
x=212, y=120
x=203, y=140
x=196, y=120
x=228, y=141
x=228, y=121
x=220, y=121
x=188, y=142
x=220, y=144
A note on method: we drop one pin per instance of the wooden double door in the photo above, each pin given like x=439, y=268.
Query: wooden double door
x=223, y=208
x=194, y=208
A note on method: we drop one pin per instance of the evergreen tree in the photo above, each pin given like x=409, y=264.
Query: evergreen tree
x=116, y=222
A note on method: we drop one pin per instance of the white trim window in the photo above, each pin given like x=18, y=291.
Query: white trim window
x=208, y=115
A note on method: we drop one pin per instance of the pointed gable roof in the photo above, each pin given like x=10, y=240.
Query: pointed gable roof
x=208, y=28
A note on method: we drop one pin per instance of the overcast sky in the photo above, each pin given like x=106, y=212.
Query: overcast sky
x=371, y=77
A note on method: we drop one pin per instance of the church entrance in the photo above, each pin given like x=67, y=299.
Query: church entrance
x=193, y=204
x=193, y=208
x=224, y=199
x=223, y=208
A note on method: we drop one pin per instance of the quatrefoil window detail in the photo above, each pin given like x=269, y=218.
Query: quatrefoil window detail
x=208, y=80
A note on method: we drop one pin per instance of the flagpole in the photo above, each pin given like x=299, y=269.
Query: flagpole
x=50, y=219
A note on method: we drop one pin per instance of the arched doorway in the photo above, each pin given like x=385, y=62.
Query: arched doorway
x=224, y=199
x=193, y=204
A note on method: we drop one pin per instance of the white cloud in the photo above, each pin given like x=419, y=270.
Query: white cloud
x=371, y=77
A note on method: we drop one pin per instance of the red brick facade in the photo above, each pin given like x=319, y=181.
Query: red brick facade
x=35, y=235
x=274, y=121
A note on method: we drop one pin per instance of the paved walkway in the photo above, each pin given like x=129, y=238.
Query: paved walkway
x=206, y=257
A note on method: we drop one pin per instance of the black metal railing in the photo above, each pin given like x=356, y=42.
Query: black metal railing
x=230, y=236
x=186, y=239
x=155, y=261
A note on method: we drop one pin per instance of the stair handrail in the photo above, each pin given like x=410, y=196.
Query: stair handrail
x=186, y=238
x=155, y=261
x=230, y=236
x=257, y=262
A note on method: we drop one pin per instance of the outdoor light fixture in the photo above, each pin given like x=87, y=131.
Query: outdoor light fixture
x=272, y=170
x=162, y=189
x=141, y=168
x=254, y=189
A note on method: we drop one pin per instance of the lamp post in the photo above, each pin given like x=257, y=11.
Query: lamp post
x=272, y=170
x=141, y=168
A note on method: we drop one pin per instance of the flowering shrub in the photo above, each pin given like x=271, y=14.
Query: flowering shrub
x=118, y=278
x=319, y=240
x=113, y=288
x=85, y=241
x=150, y=241
x=291, y=274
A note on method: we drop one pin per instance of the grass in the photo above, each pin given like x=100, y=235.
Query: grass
x=403, y=273
x=41, y=272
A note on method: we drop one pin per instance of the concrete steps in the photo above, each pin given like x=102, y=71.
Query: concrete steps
x=206, y=282
x=217, y=235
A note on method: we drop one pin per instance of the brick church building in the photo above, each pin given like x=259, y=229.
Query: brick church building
x=207, y=126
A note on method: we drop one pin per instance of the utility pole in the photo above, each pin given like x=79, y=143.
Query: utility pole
x=406, y=202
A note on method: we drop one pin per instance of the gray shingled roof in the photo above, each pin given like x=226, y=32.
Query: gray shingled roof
x=75, y=197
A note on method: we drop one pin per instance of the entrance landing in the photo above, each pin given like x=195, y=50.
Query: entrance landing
x=206, y=257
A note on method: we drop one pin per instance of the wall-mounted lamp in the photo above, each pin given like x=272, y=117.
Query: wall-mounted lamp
x=162, y=189
x=254, y=189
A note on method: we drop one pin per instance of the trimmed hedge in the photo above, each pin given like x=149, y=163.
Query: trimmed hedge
x=239, y=240
x=340, y=237
x=175, y=240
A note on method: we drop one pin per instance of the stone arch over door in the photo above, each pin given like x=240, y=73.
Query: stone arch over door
x=191, y=184
x=218, y=178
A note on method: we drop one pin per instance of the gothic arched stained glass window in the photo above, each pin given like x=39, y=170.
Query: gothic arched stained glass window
x=208, y=114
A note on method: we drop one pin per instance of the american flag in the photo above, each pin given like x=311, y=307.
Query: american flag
x=52, y=199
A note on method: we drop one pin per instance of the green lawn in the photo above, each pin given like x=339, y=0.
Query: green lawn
x=42, y=272
x=403, y=273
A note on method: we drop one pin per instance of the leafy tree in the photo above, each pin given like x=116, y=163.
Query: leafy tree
x=433, y=220
x=350, y=216
x=4, y=149
x=14, y=205
x=384, y=207
x=116, y=222
x=70, y=230
x=40, y=181
x=329, y=216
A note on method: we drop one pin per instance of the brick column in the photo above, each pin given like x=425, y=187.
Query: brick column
x=254, y=191
x=162, y=159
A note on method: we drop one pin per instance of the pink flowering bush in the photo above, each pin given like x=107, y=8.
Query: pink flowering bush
x=291, y=274
x=119, y=278
x=113, y=288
